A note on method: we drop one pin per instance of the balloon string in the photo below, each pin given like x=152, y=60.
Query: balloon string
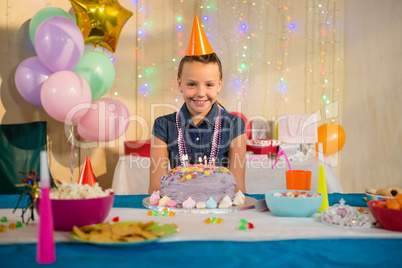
x=71, y=139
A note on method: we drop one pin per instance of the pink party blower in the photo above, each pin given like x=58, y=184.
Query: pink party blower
x=45, y=249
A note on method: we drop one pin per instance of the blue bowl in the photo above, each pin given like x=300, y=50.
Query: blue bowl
x=282, y=206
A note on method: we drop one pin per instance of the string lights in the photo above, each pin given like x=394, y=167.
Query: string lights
x=278, y=56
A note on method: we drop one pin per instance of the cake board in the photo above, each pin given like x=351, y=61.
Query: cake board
x=248, y=204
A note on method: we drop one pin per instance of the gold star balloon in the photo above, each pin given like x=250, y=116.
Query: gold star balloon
x=100, y=21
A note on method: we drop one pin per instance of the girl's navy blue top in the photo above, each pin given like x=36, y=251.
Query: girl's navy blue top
x=198, y=139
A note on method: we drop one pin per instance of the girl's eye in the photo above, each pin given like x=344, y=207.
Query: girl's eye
x=191, y=85
x=210, y=85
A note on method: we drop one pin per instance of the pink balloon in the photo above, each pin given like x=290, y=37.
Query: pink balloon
x=106, y=120
x=66, y=96
x=59, y=44
x=29, y=78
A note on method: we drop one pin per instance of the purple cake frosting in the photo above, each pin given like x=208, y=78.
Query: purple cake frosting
x=198, y=181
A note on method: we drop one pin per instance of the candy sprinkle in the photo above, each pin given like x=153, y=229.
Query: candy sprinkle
x=12, y=225
x=242, y=228
x=3, y=219
x=2, y=228
x=214, y=220
x=19, y=224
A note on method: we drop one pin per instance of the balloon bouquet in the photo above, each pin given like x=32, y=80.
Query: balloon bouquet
x=69, y=82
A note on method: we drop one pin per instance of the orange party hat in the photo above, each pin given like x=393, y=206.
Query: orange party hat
x=87, y=176
x=198, y=44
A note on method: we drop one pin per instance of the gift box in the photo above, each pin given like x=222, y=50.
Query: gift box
x=291, y=150
x=140, y=147
x=262, y=129
x=263, y=146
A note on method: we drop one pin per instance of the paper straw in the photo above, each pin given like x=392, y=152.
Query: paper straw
x=281, y=152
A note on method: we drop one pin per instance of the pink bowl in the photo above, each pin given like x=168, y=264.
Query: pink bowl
x=389, y=219
x=79, y=212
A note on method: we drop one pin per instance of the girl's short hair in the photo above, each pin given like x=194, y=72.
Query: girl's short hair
x=209, y=58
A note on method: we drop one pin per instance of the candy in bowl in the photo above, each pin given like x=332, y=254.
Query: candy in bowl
x=291, y=203
x=390, y=219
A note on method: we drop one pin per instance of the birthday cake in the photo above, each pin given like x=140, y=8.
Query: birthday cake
x=198, y=186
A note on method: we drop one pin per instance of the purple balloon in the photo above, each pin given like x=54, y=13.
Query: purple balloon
x=29, y=78
x=59, y=44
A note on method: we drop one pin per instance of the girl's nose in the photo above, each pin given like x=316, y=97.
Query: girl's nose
x=201, y=91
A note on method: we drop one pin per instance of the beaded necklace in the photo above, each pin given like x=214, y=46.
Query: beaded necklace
x=216, y=140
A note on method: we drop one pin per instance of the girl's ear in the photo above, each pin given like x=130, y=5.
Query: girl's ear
x=179, y=84
x=220, y=85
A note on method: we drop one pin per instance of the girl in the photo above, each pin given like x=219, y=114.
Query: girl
x=199, y=130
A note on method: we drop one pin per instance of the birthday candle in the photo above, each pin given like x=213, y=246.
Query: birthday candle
x=205, y=160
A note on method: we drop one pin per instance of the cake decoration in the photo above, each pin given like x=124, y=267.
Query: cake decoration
x=189, y=203
x=238, y=200
x=210, y=203
x=171, y=203
x=191, y=172
x=200, y=205
x=199, y=181
x=226, y=202
x=163, y=201
x=154, y=199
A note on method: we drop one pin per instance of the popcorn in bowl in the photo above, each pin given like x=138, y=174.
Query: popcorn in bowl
x=78, y=205
x=78, y=191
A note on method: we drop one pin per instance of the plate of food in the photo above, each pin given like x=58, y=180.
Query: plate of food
x=382, y=193
x=120, y=234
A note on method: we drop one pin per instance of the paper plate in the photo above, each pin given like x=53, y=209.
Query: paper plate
x=166, y=229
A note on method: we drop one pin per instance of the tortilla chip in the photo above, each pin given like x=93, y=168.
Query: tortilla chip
x=80, y=233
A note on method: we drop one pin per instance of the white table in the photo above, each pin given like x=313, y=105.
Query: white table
x=131, y=175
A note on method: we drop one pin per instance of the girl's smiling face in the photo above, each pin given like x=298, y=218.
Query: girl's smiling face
x=200, y=84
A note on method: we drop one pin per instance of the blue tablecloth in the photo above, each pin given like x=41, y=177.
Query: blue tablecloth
x=283, y=253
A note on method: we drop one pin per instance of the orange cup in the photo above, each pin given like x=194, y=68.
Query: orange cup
x=298, y=180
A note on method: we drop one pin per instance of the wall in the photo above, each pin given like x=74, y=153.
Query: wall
x=372, y=102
